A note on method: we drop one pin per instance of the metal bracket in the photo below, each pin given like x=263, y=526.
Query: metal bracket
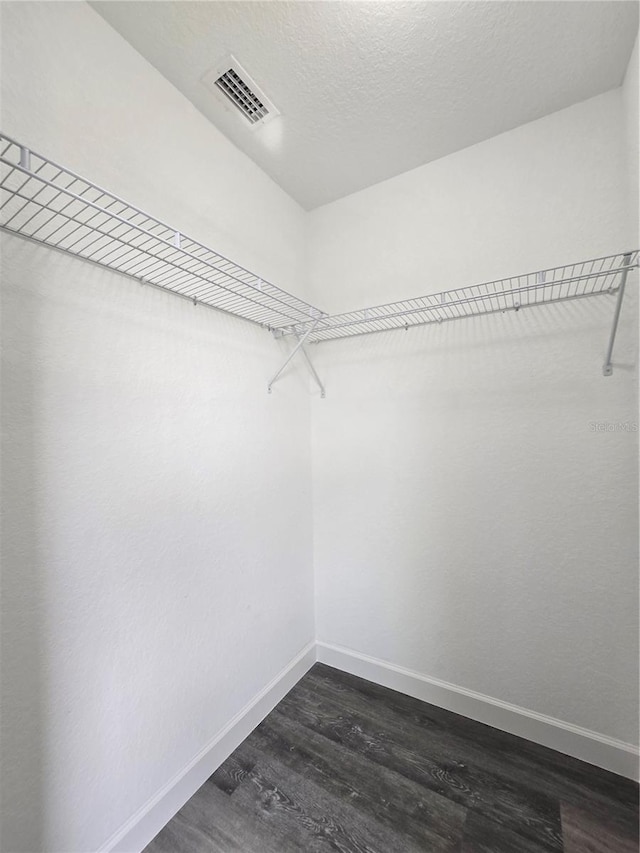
x=25, y=158
x=607, y=369
x=300, y=347
x=312, y=370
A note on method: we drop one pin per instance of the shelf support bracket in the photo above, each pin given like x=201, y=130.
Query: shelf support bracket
x=607, y=370
x=298, y=346
x=312, y=370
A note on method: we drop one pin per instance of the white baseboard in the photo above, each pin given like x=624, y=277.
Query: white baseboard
x=603, y=751
x=145, y=824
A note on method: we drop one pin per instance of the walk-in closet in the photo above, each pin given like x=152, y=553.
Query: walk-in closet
x=319, y=404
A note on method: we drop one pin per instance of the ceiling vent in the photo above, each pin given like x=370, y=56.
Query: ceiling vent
x=232, y=85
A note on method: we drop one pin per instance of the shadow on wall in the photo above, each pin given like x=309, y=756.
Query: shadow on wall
x=23, y=616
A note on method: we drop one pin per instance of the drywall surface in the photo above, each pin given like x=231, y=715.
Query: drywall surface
x=475, y=483
x=157, y=525
x=631, y=95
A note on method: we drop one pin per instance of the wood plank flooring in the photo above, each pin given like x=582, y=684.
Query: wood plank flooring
x=344, y=765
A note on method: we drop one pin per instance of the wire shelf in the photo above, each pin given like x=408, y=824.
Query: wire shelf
x=45, y=202
x=50, y=204
x=573, y=281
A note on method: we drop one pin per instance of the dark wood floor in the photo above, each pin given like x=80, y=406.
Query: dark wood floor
x=344, y=765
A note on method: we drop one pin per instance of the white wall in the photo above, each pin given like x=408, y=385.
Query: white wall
x=157, y=534
x=631, y=97
x=468, y=523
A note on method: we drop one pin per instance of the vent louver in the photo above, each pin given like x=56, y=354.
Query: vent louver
x=241, y=94
x=229, y=82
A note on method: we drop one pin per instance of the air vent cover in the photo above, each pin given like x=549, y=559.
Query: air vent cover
x=230, y=79
x=241, y=95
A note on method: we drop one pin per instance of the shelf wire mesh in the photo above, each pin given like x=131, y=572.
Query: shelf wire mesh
x=50, y=204
x=572, y=281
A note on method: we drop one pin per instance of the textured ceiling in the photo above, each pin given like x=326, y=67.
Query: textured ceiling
x=368, y=90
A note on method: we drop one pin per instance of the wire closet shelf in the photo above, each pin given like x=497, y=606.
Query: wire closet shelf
x=45, y=202
x=598, y=276
x=50, y=204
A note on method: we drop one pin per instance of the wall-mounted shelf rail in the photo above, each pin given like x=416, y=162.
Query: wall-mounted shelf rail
x=47, y=203
x=52, y=205
x=587, y=278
